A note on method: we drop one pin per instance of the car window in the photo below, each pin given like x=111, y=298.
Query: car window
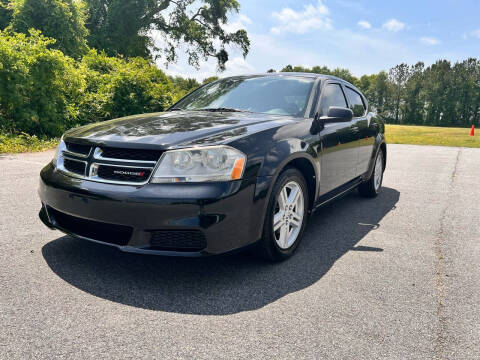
x=285, y=95
x=356, y=103
x=332, y=96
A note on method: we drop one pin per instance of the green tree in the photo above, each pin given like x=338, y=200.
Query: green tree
x=183, y=86
x=209, y=80
x=62, y=20
x=5, y=13
x=413, y=102
x=398, y=77
x=198, y=25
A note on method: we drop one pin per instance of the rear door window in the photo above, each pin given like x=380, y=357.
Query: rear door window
x=356, y=102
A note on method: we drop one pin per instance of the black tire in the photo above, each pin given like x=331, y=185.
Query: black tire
x=269, y=248
x=371, y=188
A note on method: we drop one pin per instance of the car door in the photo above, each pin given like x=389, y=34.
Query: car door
x=366, y=131
x=338, y=154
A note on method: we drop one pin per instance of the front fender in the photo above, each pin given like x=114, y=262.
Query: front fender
x=275, y=161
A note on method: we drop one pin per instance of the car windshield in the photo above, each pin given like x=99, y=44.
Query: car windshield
x=280, y=95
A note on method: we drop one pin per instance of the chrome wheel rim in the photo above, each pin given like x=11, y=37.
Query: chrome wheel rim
x=378, y=172
x=288, y=215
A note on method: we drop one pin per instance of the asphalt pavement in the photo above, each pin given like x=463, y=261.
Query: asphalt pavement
x=396, y=277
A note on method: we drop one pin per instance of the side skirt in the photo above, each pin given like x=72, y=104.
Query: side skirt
x=337, y=193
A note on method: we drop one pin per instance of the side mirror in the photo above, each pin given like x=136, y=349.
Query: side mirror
x=317, y=125
x=338, y=114
x=335, y=114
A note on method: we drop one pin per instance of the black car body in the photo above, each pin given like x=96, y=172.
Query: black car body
x=101, y=189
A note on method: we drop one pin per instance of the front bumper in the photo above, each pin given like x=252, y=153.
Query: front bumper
x=216, y=217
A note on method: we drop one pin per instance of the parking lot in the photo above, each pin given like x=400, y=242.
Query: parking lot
x=396, y=277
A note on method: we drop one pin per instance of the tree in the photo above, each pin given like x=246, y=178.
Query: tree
x=209, y=80
x=62, y=20
x=5, y=13
x=413, y=101
x=398, y=76
x=198, y=25
x=183, y=86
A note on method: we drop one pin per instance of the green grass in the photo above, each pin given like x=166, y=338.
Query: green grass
x=24, y=143
x=428, y=135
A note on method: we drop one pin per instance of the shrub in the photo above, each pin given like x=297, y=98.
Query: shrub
x=24, y=142
x=39, y=87
x=116, y=88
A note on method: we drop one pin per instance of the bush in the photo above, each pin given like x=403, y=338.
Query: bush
x=24, y=142
x=39, y=87
x=44, y=92
x=116, y=88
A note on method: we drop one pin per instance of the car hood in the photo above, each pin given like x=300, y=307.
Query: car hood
x=176, y=128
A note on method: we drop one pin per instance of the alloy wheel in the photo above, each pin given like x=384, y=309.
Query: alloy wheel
x=288, y=215
x=378, y=172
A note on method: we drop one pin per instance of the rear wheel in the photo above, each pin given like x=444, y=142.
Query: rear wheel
x=373, y=185
x=286, y=216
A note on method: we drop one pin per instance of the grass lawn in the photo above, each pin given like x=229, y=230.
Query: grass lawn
x=428, y=135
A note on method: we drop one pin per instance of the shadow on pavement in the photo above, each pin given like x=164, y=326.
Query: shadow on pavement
x=224, y=284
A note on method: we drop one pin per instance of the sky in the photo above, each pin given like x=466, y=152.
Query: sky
x=362, y=36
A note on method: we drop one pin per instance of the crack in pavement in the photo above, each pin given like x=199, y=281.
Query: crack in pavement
x=440, y=271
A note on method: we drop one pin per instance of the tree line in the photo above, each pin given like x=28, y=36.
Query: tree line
x=442, y=94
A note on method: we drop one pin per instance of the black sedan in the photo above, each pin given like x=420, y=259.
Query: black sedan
x=240, y=161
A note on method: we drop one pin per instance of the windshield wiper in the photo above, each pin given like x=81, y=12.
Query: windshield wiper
x=175, y=109
x=222, y=109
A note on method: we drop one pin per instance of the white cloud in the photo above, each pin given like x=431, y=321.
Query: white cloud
x=364, y=24
x=245, y=19
x=240, y=23
x=393, y=25
x=238, y=65
x=475, y=33
x=430, y=41
x=313, y=17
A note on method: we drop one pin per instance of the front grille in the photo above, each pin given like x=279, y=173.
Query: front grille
x=178, y=240
x=77, y=148
x=74, y=166
x=108, y=233
x=131, y=154
x=126, y=174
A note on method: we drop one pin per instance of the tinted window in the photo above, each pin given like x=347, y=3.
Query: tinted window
x=332, y=96
x=268, y=94
x=356, y=103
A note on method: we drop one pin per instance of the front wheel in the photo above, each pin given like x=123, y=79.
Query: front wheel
x=286, y=216
x=372, y=186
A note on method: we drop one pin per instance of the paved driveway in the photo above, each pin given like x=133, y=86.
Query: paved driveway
x=396, y=277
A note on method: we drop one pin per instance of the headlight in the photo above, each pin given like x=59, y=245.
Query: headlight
x=212, y=163
x=58, y=153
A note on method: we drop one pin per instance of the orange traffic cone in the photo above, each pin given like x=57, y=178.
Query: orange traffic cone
x=472, y=132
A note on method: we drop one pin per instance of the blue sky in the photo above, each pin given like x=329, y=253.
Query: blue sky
x=363, y=36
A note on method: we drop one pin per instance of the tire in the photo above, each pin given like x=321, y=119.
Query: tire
x=280, y=243
x=372, y=187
